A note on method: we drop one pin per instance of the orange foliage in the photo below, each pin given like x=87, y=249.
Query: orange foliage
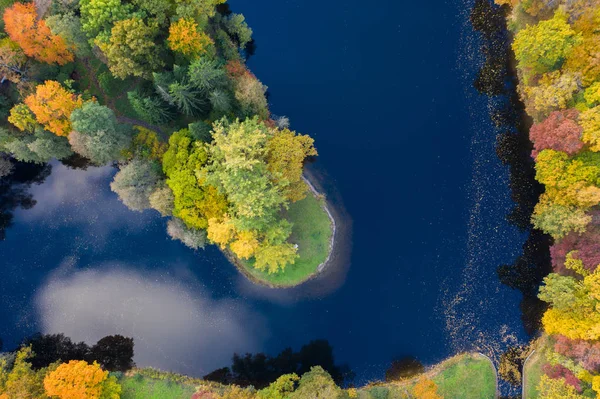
x=426, y=389
x=76, y=380
x=35, y=37
x=52, y=106
x=185, y=38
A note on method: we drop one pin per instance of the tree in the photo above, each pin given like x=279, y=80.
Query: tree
x=590, y=122
x=135, y=182
x=114, y=353
x=192, y=238
x=543, y=47
x=132, y=49
x=150, y=108
x=196, y=201
x=186, y=38
x=221, y=232
x=12, y=61
x=553, y=92
x=147, y=145
x=280, y=388
x=426, y=389
x=274, y=257
x=52, y=106
x=98, y=16
x=238, y=28
x=583, y=247
x=80, y=380
x=68, y=26
x=556, y=389
x=559, y=132
x=159, y=9
x=22, y=118
x=48, y=146
x=22, y=382
x=33, y=35
x=317, y=384
x=206, y=74
x=97, y=135
x=162, y=200
x=558, y=220
x=197, y=9
x=584, y=352
x=584, y=59
x=53, y=348
x=286, y=152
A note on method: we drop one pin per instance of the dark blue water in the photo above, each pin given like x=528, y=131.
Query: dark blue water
x=407, y=158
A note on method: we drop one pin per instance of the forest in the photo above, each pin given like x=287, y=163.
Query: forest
x=555, y=46
x=160, y=90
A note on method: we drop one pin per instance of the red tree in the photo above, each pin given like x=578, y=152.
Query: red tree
x=585, y=244
x=559, y=131
x=585, y=352
x=560, y=371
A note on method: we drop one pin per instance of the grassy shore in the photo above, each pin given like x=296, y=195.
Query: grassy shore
x=312, y=233
x=465, y=376
x=532, y=370
x=140, y=387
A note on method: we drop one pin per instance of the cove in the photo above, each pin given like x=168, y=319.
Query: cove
x=407, y=157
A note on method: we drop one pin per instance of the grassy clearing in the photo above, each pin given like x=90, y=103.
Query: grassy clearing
x=139, y=387
x=312, y=232
x=472, y=377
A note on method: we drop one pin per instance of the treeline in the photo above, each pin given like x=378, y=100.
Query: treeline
x=556, y=46
x=161, y=89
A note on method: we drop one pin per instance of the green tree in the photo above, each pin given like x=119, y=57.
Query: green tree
x=280, y=388
x=190, y=237
x=132, y=49
x=136, y=181
x=68, y=26
x=317, y=384
x=543, y=47
x=558, y=220
x=99, y=15
x=97, y=135
x=150, y=108
x=22, y=382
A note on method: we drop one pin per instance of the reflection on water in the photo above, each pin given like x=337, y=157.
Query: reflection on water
x=174, y=323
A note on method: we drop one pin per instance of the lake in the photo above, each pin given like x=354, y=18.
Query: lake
x=406, y=157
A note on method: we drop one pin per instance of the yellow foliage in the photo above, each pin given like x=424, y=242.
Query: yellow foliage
x=596, y=384
x=550, y=388
x=575, y=264
x=76, y=380
x=220, y=232
x=426, y=389
x=185, y=37
x=352, y=392
x=590, y=122
x=573, y=326
x=22, y=118
x=52, y=106
x=245, y=245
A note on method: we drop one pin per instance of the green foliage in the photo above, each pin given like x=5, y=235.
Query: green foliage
x=133, y=48
x=280, y=388
x=191, y=237
x=317, y=384
x=558, y=220
x=140, y=386
x=136, y=181
x=100, y=15
x=543, y=47
x=22, y=381
x=237, y=27
x=150, y=108
x=69, y=27
x=206, y=74
x=97, y=135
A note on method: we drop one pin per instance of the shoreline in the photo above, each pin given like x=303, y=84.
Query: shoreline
x=306, y=177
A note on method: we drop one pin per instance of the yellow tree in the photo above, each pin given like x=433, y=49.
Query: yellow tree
x=80, y=380
x=286, y=152
x=22, y=118
x=426, y=389
x=186, y=38
x=52, y=106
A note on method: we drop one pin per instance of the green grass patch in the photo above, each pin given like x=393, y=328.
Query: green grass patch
x=140, y=387
x=312, y=232
x=532, y=370
x=472, y=377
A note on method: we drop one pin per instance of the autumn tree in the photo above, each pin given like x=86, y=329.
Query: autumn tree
x=80, y=380
x=22, y=381
x=590, y=122
x=286, y=152
x=584, y=59
x=317, y=384
x=12, y=61
x=22, y=118
x=186, y=38
x=426, y=389
x=583, y=247
x=280, y=388
x=33, y=35
x=549, y=388
x=559, y=132
x=559, y=220
x=553, y=92
x=543, y=47
x=52, y=106
x=132, y=49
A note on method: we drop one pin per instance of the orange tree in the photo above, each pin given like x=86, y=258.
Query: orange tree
x=80, y=380
x=185, y=37
x=34, y=37
x=52, y=105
